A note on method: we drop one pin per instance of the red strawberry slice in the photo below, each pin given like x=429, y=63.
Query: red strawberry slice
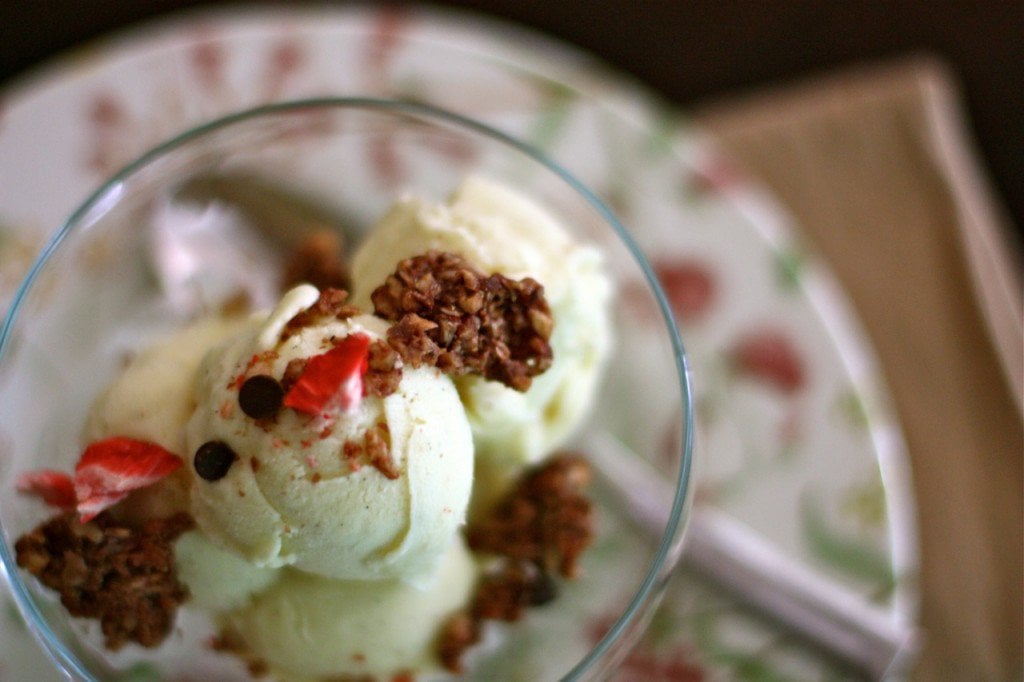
x=111, y=468
x=55, y=488
x=332, y=377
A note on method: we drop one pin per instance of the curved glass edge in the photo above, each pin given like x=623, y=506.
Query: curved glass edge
x=672, y=533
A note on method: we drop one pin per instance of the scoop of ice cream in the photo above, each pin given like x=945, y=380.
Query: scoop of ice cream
x=309, y=627
x=369, y=490
x=153, y=398
x=498, y=230
x=217, y=579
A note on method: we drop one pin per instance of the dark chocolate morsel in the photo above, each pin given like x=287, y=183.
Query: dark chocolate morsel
x=543, y=589
x=213, y=459
x=261, y=396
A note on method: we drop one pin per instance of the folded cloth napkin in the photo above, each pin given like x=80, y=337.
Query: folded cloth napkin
x=876, y=166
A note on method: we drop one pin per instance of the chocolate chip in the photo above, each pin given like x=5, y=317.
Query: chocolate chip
x=543, y=589
x=213, y=459
x=260, y=396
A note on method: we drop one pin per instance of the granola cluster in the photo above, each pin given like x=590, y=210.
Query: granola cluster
x=319, y=260
x=122, y=576
x=546, y=519
x=452, y=316
x=538, y=530
x=331, y=303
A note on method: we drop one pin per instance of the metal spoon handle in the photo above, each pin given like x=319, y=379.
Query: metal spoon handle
x=738, y=559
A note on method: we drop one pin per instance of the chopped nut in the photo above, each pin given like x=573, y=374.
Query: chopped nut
x=451, y=316
x=331, y=303
x=542, y=525
x=545, y=519
x=123, y=577
x=383, y=373
x=319, y=260
x=378, y=450
x=460, y=633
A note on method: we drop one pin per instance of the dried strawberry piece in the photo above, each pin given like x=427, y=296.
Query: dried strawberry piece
x=332, y=377
x=111, y=468
x=55, y=488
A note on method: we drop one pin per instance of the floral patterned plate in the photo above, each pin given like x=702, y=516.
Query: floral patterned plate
x=796, y=438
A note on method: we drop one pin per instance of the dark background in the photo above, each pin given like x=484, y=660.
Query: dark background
x=690, y=50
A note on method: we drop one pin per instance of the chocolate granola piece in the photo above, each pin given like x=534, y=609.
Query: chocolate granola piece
x=383, y=372
x=460, y=632
x=504, y=593
x=292, y=371
x=546, y=518
x=331, y=303
x=377, y=446
x=318, y=260
x=449, y=315
x=122, y=576
x=541, y=525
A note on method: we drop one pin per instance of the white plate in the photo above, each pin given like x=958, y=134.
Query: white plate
x=798, y=441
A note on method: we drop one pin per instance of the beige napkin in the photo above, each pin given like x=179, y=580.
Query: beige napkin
x=876, y=167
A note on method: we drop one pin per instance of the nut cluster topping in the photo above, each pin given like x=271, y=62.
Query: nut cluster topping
x=383, y=372
x=319, y=259
x=538, y=529
x=330, y=303
x=452, y=316
x=546, y=519
x=124, y=577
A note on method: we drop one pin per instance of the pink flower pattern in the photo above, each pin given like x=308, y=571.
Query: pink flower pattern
x=770, y=356
x=690, y=286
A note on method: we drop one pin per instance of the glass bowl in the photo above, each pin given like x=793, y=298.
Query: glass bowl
x=104, y=286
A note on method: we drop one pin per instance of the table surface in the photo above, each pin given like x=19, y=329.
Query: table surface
x=737, y=77
x=853, y=155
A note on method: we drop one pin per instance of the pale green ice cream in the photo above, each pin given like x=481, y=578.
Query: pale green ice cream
x=307, y=627
x=152, y=399
x=153, y=396
x=497, y=229
x=320, y=567
x=293, y=499
x=217, y=578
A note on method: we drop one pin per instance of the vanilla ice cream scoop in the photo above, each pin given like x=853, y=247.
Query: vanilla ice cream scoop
x=499, y=230
x=306, y=627
x=366, y=488
x=153, y=397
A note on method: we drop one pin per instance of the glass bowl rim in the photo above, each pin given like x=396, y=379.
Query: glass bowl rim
x=67, y=660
